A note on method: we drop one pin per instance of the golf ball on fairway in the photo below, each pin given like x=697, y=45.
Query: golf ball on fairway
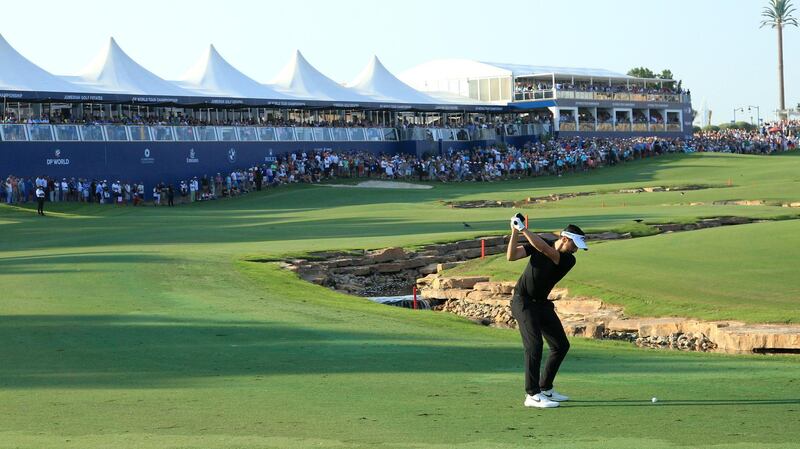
x=654, y=400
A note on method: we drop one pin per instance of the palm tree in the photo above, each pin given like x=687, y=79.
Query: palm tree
x=777, y=15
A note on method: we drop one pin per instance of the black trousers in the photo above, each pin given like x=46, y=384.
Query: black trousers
x=537, y=319
x=40, y=206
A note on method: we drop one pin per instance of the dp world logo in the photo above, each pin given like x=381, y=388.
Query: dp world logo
x=192, y=159
x=232, y=155
x=57, y=160
x=147, y=159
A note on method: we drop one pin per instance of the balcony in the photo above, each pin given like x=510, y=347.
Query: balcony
x=598, y=96
x=568, y=126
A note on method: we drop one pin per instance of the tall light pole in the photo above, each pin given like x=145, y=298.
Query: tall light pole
x=734, y=114
x=758, y=113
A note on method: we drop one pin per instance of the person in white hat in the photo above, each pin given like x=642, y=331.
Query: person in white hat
x=40, y=200
x=535, y=315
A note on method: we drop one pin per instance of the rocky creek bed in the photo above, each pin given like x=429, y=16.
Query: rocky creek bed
x=563, y=196
x=395, y=271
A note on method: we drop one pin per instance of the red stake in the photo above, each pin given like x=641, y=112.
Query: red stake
x=483, y=248
x=526, y=221
x=414, y=289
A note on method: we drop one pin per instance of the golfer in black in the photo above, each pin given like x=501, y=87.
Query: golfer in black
x=535, y=315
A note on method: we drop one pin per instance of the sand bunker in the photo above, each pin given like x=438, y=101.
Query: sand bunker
x=383, y=185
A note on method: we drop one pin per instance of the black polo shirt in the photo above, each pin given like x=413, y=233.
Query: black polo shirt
x=541, y=274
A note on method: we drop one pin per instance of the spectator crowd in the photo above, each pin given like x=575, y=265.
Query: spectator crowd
x=550, y=157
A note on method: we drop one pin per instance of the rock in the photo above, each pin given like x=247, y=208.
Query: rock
x=491, y=250
x=578, y=306
x=659, y=327
x=733, y=220
x=415, y=262
x=388, y=254
x=499, y=241
x=458, y=282
x=467, y=244
x=558, y=293
x=389, y=267
x=470, y=253
x=487, y=298
x=343, y=262
x=427, y=280
x=429, y=269
x=457, y=293
x=669, y=227
x=356, y=271
x=750, y=337
x=497, y=288
x=433, y=293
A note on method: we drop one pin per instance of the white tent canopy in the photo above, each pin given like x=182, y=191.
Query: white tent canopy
x=377, y=82
x=212, y=75
x=18, y=73
x=113, y=71
x=469, y=69
x=113, y=75
x=301, y=79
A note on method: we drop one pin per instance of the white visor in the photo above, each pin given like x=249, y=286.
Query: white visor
x=577, y=239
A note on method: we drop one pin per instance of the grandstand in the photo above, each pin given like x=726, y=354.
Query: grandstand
x=588, y=101
x=117, y=119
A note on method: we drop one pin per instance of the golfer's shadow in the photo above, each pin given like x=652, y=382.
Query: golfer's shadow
x=678, y=402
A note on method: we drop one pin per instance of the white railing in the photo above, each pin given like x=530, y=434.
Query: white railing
x=161, y=133
x=598, y=96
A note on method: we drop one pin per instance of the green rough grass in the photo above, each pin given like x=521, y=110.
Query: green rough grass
x=738, y=272
x=148, y=328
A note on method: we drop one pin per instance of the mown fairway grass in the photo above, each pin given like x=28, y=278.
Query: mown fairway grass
x=149, y=328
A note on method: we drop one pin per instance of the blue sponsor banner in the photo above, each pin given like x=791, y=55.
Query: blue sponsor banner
x=525, y=105
x=153, y=162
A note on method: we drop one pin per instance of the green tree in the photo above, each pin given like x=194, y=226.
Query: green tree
x=777, y=15
x=666, y=74
x=739, y=125
x=641, y=72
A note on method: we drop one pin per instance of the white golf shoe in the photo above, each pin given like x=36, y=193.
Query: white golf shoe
x=553, y=395
x=539, y=401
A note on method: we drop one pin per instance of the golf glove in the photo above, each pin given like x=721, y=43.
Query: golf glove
x=518, y=222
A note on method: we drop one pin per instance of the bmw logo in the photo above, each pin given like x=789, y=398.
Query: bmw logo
x=232, y=155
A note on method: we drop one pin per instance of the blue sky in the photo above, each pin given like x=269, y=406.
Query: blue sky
x=714, y=46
